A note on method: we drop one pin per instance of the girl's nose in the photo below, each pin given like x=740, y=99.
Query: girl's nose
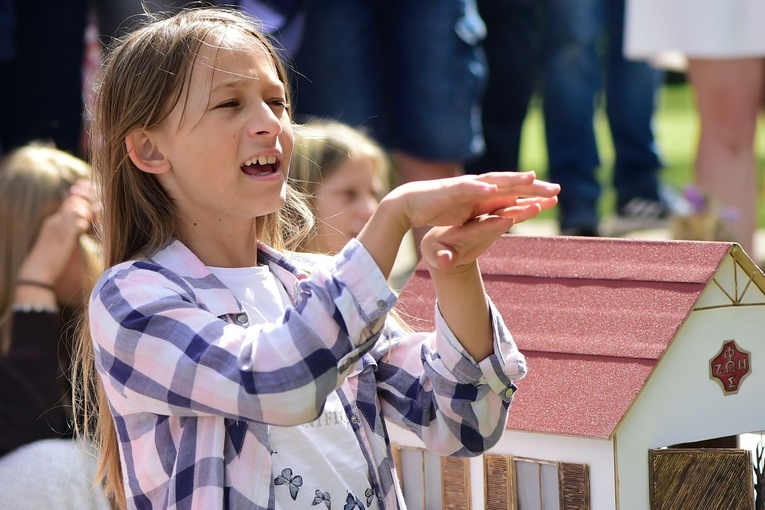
x=264, y=122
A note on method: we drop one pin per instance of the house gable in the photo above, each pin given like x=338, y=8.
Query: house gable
x=593, y=317
x=738, y=282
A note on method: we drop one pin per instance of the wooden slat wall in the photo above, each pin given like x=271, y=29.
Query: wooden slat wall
x=700, y=478
x=499, y=482
x=455, y=483
x=574, y=486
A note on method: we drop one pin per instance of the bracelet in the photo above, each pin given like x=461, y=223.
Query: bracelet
x=33, y=283
x=29, y=308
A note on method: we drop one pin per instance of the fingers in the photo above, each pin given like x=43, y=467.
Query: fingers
x=78, y=208
x=518, y=189
x=451, y=249
x=444, y=259
x=520, y=183
x=525, y=209
x=82, y=188
x=454, y=201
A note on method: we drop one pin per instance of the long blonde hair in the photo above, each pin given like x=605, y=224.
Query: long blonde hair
x=143, y=78
x=34, y=182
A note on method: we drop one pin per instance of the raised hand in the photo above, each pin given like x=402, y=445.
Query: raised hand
x=57, y=240
x=454, y=201
x=502, y=198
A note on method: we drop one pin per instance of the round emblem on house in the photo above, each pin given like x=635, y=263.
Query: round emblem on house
x=730, y=367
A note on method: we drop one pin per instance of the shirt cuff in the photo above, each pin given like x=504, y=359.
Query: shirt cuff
x=505, y=365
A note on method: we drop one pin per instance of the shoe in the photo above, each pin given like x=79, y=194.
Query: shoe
x=645, y=214
x=580, y=231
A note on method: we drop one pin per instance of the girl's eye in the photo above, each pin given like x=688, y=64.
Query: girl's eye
x=231, y=103
x=278, y=104
x=349, y=194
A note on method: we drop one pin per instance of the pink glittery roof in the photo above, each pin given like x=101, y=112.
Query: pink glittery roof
x=592, y=315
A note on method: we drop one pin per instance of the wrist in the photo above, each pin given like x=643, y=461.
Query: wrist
x=469, y=269
x=38, y=284
x=36, y=271
x=393, y=209
x=35, y=293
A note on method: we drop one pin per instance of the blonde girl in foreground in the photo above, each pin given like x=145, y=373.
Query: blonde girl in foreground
x=227, y=378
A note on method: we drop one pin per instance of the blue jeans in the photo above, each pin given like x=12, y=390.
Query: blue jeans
x=411, y=73
x=574, y=72
x=512, y=49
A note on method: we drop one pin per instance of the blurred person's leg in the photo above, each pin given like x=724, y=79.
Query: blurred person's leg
x=631, y=95
x=572, y=78
x=729, y=94
x=511, y=53
x=437, y=77
x=41, y=88
x=337, y=71
x=415, y=85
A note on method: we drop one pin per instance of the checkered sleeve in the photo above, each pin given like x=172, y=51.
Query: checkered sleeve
x=430, y=385
x=159, y=351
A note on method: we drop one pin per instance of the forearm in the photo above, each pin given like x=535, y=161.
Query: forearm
x=463, y=304
x=426, y=385
x=336, y=319
x=383, y=233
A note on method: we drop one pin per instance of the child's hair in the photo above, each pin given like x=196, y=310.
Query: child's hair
x=144, y=76
x=322, y=146
x=34, y=182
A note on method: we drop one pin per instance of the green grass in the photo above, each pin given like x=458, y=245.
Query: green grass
x=676, y=129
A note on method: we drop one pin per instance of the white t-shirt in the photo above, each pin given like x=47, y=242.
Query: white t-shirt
x=317, y=464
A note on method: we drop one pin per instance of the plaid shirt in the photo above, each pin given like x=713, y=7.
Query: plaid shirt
x=192, y=388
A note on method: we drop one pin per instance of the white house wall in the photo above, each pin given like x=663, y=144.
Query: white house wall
x=596, y=453
x=680, y=403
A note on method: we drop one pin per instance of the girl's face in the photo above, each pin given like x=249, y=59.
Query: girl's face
x=344, y=202
x=228, y=142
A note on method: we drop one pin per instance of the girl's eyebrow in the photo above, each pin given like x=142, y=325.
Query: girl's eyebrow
x=239, y=81
x=227, y=84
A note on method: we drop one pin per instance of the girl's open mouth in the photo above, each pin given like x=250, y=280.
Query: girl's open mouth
x=261, y=166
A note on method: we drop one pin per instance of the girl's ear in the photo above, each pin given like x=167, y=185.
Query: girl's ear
x=145, y=154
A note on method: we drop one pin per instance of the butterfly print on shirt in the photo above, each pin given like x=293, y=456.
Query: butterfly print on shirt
x=293, y=482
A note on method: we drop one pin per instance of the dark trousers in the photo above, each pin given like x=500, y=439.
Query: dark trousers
x=41, y=87
x=511, y=48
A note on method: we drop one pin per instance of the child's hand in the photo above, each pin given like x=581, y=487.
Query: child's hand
x=454, y=201
x=454, y=249
x=479, y=207
x=57, y=239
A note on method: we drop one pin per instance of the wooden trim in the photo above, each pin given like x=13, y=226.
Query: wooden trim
x=395, y=450
x=574, y=486
x=499, y=482
x=455, y=483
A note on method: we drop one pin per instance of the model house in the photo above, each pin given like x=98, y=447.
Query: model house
x=634, y=347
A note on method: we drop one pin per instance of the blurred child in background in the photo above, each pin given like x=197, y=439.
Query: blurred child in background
x=47, y=257
x=344, y=173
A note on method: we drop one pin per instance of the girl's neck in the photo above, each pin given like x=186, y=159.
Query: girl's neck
x=222, y=247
